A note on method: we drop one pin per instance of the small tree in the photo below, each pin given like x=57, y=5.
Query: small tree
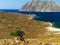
x=18, y=33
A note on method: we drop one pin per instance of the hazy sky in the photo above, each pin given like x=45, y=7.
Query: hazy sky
x=15, y=4
x=12, y=4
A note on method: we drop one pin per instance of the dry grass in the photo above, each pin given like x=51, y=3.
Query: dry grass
x=35, y=30
x=12, y=21
x=30, y=42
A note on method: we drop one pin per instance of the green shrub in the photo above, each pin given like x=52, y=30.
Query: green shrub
x=18, y=33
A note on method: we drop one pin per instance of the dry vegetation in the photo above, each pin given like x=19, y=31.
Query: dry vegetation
x=35, y=30
x=11, y=21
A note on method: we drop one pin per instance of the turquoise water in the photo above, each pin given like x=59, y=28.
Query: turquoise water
x=56, y=24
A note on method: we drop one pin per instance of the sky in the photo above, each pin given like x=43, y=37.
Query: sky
x=9, y=4
x=12, y=4
x=15, y=4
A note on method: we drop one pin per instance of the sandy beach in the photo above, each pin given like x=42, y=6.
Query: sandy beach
x=52, y=28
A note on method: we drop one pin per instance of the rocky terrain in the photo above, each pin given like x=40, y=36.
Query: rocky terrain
x=41, y=6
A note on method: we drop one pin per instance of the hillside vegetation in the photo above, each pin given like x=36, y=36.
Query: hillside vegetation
x=10, y=22
x=35, y=31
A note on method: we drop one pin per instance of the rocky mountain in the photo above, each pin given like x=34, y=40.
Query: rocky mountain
x=41, y=6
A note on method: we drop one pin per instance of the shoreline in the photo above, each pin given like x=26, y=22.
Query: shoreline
x=50, y=28
x=31, y=16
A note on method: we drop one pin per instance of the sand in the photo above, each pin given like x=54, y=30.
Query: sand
x=52, y=28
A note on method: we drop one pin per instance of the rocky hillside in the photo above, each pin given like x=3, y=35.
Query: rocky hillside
x=10, y=22
x=41, y=6
x=35, y=31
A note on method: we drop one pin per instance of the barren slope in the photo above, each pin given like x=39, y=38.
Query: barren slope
x=12, y=21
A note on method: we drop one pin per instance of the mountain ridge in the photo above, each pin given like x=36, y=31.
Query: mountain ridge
x=41, y=6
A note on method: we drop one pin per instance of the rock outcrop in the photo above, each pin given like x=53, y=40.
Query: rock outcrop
x=41, y=6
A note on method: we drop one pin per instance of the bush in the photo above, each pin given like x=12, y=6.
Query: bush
x=18, y=33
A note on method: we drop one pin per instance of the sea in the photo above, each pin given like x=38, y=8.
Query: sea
x=53, y=17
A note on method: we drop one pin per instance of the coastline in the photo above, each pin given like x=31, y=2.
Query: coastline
x=50, y=28
x=31, y=16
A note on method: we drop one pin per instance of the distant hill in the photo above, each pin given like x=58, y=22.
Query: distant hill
x=41, y=6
